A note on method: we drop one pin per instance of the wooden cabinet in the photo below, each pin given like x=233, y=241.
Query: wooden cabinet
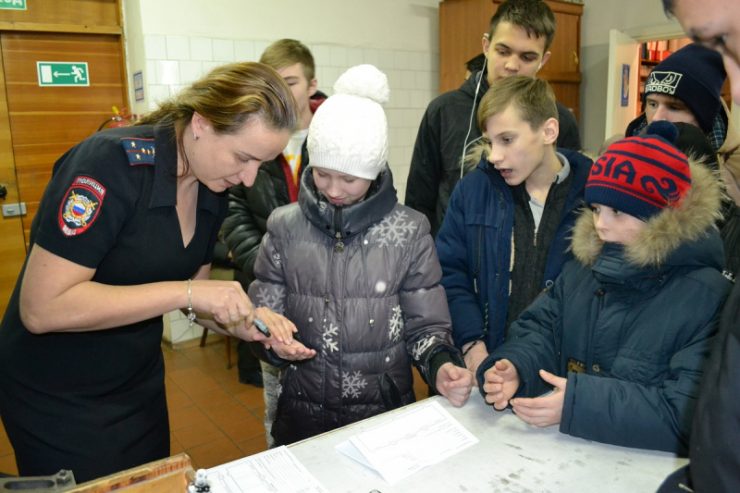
x=461, y=27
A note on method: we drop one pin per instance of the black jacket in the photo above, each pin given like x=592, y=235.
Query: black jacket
x=715, y=437
x=715, y=462
x=435, y=164
x=249, y=209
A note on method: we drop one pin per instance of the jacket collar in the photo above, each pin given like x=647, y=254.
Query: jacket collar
x=468, y=87
x=354, y=219
x=164, y=188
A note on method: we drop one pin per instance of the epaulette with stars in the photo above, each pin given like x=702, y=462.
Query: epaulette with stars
x=139, y=151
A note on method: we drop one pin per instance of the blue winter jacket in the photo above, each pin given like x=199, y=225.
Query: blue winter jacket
x=474, y=248
x=629, y=327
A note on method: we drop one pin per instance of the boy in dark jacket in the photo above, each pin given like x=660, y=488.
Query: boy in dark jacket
x=358, y=275
x=622, y=337
x=504, y=237
x=516, y=43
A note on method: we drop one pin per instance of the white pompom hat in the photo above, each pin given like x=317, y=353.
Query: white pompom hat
x=349, y=131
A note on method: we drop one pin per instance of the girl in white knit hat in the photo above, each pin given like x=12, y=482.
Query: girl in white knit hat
x=358, y=274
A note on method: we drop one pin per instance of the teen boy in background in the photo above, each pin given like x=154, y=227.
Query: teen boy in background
x=685, y=88
x=517, y=43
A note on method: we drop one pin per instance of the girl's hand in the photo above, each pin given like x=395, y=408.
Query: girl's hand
x=295, y=351
x=454, y=383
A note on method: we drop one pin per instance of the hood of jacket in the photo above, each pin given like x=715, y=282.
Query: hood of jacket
x=345, y=222
x=674, y=236
x=468, y=87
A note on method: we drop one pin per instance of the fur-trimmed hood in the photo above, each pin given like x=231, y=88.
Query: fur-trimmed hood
x=667, y=231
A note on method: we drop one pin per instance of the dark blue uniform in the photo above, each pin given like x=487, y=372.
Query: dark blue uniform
x=94, y=402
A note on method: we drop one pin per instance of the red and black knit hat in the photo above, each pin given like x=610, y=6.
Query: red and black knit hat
x=641, y=175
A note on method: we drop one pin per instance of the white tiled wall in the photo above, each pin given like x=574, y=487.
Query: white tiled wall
x=172, y=62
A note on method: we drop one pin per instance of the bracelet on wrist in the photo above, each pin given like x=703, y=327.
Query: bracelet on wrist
x=191, y=313
x=472, y=345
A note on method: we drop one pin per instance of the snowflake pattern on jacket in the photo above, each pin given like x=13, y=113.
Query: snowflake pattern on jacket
x=352, y=384
x=394, y=230
x=395, y=324
x=422, y=345
x=329, y=336
x=272, y=296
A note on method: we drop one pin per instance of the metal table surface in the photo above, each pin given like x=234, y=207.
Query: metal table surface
x=511, y=457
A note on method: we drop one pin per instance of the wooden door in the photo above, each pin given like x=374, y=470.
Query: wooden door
x=12, y=244
x=46, y=121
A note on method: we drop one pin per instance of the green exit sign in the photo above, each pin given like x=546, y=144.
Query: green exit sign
x=12, y=4
x=62, y=73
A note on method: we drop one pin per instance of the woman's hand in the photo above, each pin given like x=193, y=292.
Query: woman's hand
x=223, y=301
x=281, y=329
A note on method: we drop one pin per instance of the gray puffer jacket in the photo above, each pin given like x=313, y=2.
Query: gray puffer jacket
x=361, y=283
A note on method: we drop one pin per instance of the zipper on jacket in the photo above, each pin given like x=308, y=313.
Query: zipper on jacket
x=600, y=293
x=476, y=270
x=339, y=245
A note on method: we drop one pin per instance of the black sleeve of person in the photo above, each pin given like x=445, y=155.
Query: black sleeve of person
x=569, y=136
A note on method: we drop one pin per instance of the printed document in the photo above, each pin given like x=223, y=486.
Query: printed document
x=268, y=472
x=424, y=435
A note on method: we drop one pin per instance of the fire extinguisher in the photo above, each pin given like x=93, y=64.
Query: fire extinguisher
x=119, y=119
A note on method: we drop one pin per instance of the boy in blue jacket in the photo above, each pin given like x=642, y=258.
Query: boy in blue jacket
x=622, y=337
x=504, y=237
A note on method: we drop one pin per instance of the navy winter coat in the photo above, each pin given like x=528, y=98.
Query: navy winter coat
x=474, y=248
x=630, y=327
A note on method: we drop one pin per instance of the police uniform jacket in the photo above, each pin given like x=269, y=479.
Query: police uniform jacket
x=94, y=401
x=630, y=327
x=361, y=283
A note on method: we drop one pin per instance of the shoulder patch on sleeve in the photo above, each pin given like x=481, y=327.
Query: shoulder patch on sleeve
x=81, y=205
x=139, y=151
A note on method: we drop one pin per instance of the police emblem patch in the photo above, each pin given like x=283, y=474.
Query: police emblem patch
x=81, y=205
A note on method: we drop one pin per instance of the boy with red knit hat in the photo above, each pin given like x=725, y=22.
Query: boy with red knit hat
x=621, y=338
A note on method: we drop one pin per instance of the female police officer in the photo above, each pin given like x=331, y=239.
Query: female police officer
x=129, y=217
